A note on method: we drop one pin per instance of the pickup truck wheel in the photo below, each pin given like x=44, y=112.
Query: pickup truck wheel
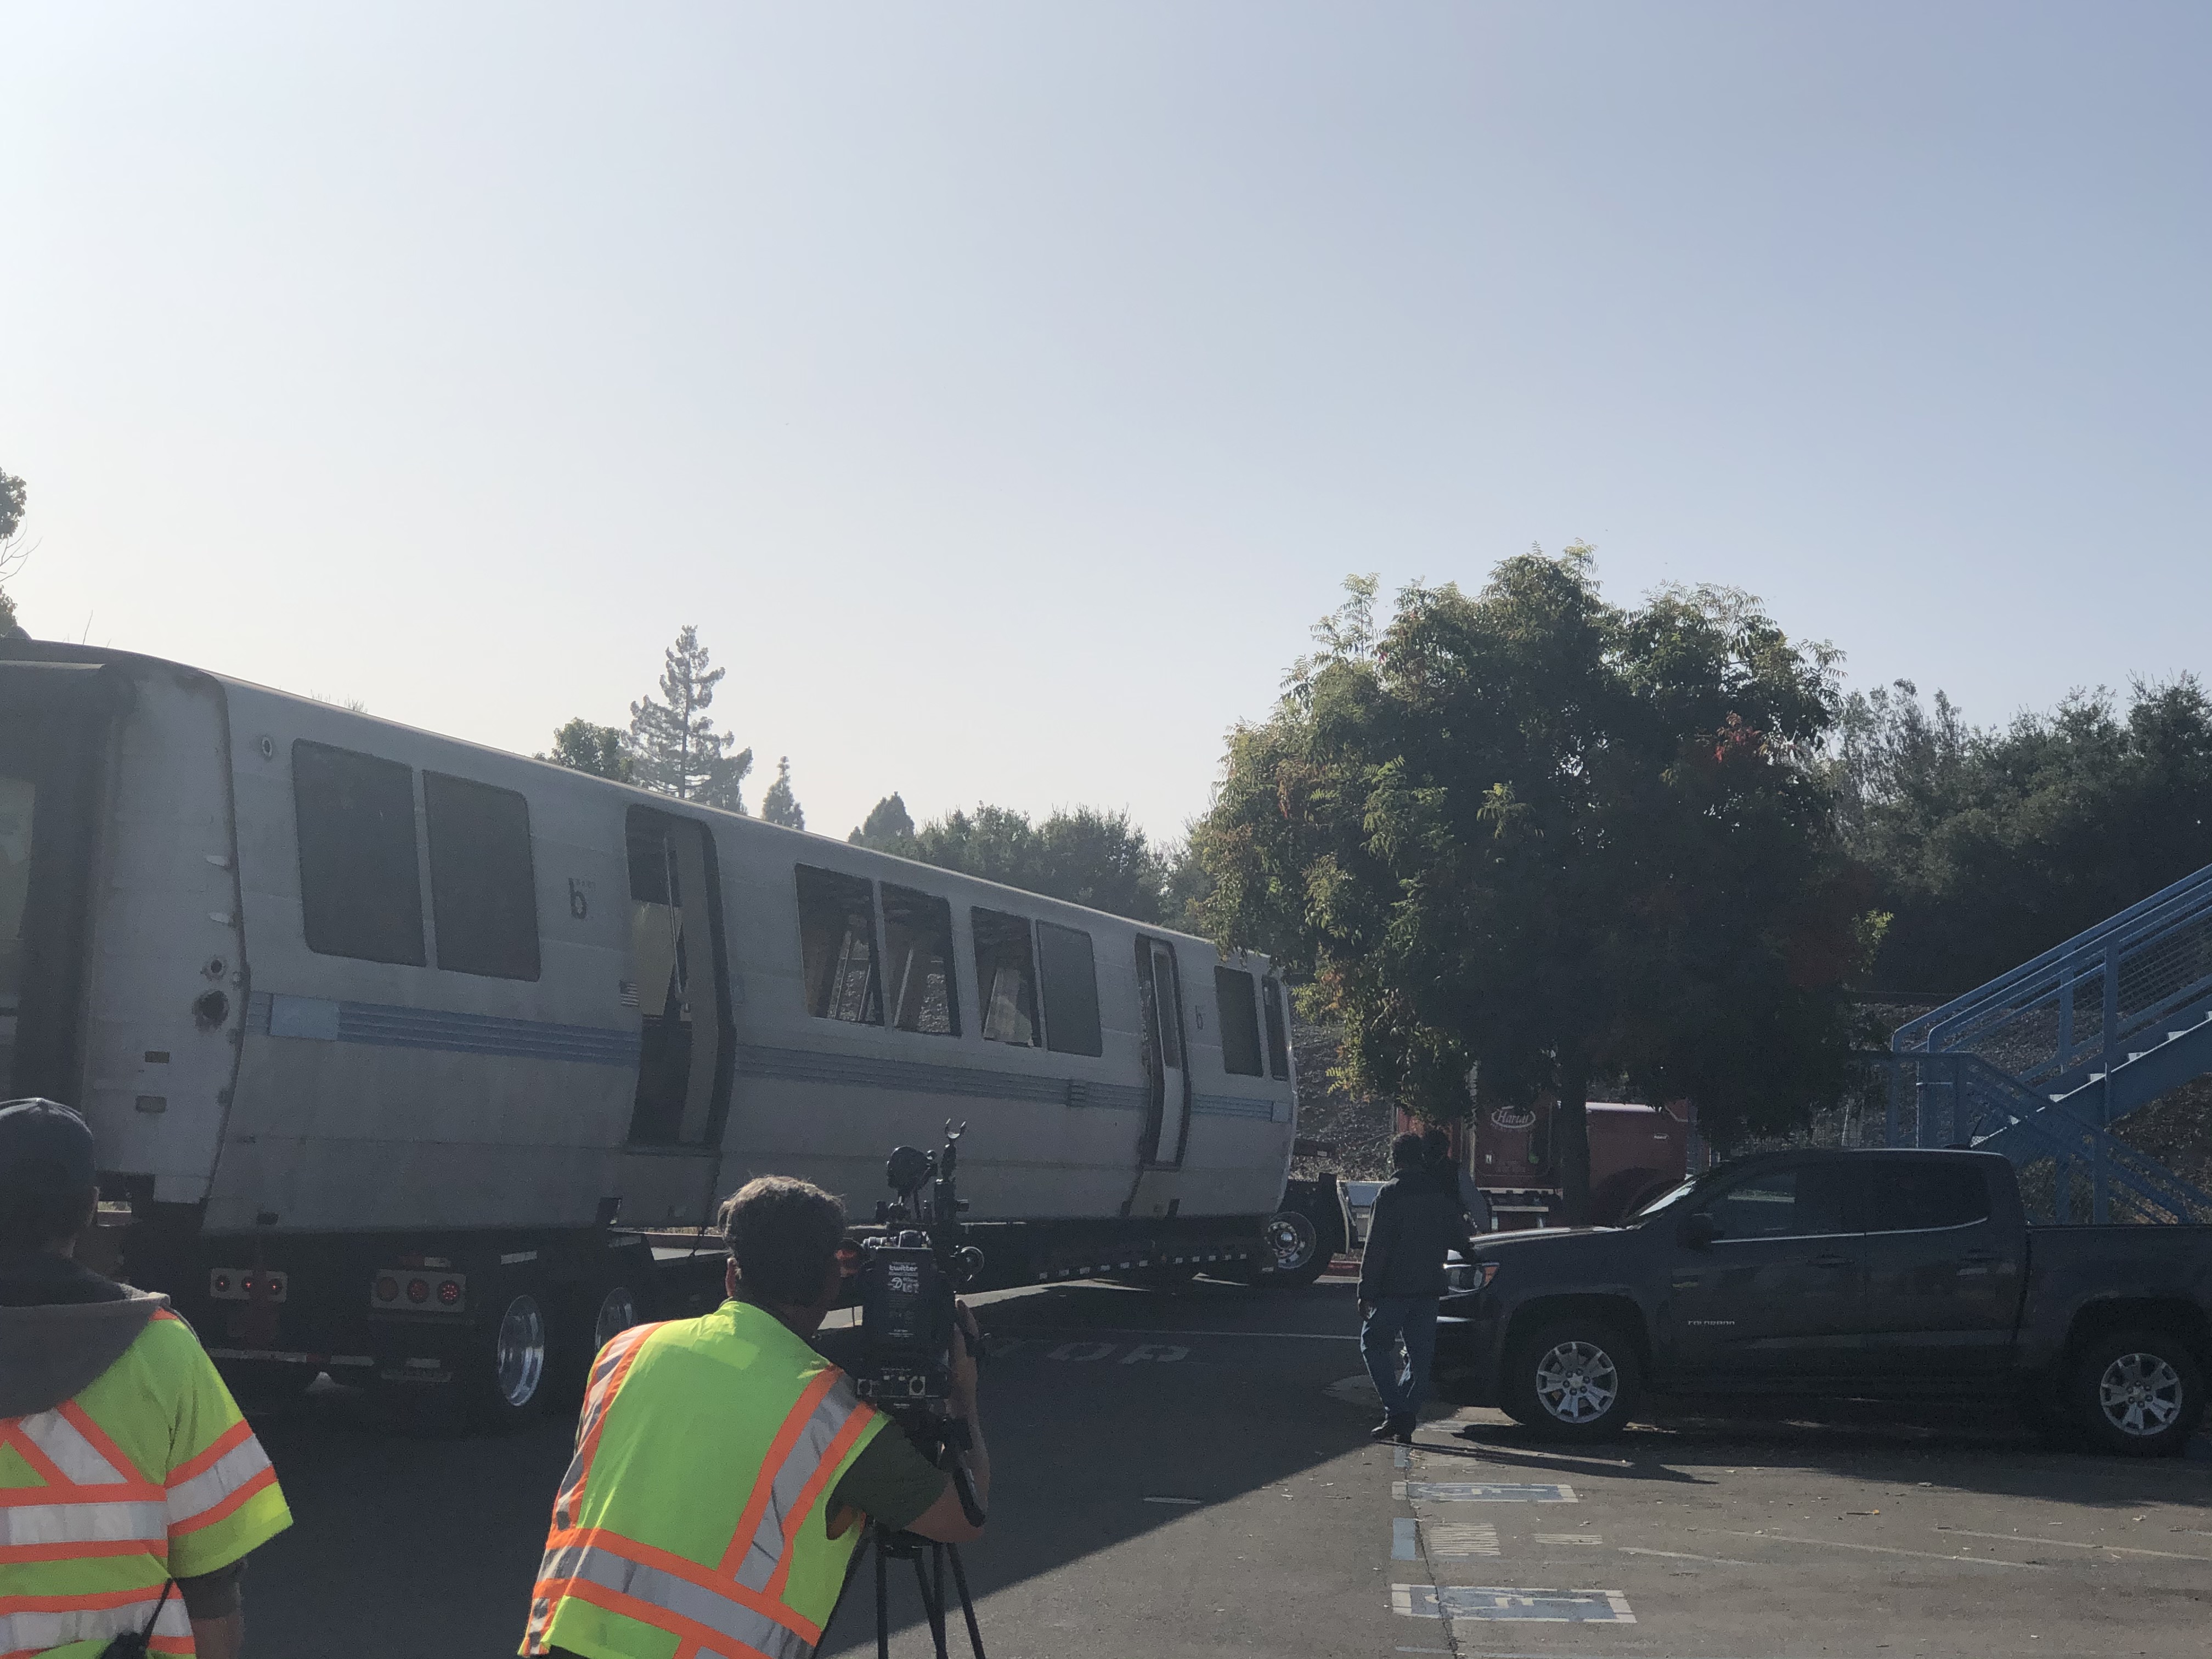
x=1577, y=1379
x=2140, y=1392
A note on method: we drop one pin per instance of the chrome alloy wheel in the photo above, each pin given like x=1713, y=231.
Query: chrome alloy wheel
x=1290, y=1239
x=521, y=1352
x=2140, y=1394
x=617, y=1313
x=1578, y=1382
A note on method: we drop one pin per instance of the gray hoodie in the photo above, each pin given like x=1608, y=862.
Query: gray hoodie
x=61, y=1326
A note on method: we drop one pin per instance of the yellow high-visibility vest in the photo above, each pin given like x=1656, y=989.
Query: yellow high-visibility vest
x=149, y=1473
x=694, y=1518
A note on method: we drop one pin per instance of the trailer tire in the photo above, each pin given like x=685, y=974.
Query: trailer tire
x=1576, y=1378
x=1294, y=1250
x=2139, y=1392
x=500, y=1372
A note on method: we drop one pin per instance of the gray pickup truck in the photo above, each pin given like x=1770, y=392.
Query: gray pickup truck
x=1871, y=1275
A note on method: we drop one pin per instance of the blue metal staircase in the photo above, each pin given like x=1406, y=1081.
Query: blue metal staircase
x=2040, y=1061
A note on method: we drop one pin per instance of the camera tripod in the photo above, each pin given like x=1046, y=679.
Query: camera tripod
x=937, y=1436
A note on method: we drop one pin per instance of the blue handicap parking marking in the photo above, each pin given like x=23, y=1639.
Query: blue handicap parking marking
x=1478, y=1491
x=1491, y=1602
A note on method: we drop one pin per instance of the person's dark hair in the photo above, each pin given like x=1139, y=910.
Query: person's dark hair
x=1436, y=1143
x=38, y=1210
x=783, y=1233
x=1409, y=1152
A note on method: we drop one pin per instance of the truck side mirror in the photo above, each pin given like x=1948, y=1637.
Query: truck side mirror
x=1700, y=1229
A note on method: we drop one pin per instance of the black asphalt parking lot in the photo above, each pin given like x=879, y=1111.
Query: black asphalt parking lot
x=1186, y=1472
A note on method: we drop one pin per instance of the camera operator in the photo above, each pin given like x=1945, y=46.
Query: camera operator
x=723, y=1466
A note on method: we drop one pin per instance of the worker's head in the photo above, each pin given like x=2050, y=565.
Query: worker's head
x=1436, y=1143
x=783, y=1235
x=1409, y=1152
x=48, y=1188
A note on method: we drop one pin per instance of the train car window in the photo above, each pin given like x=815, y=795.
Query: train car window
x=484, y=892
x=837, y=946
x=1279, y=1046
x=1240, y=1021
x=1006, y=977
x=1070, y=990
x=918, y=962
x=361, y=883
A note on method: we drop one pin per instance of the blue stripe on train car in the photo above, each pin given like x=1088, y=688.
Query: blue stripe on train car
x=389, y=1026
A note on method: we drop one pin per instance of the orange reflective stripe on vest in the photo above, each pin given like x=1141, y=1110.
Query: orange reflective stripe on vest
x=95, y=1504
x=608, y=1548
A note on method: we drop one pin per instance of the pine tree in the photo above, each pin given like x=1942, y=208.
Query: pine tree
x=889, y=828
x=780, y=806
x=674, y=747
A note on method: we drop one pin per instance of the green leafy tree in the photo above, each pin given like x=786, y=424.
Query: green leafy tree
x=1527, y=832
x=674, y=746
x=14, y=495
x=1086, y=855
x=602, y=750
x=1990, y=845
x=780, y=806
x=889, y=828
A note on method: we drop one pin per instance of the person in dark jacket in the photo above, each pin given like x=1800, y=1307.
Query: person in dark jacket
x=1401, y=1279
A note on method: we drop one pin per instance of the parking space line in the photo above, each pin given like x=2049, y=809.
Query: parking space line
x=1404, y=1539
x=1885, y=1549
x=1479, y=1492
x=1676, y=1555
x=2071, y=1544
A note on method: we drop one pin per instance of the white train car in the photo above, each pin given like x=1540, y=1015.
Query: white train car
x=397, y=1045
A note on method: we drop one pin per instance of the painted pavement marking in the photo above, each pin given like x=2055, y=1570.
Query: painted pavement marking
x=1496, y=1604
x=1478, y=1491
x=1676, y=1555
x=1459, y=1541
x=1569, y=1538
x=1885, y=1549
x=2071, y=1544
x=1401, y=1457
x=1404, y=1539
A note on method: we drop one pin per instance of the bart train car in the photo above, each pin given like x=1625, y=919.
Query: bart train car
x=400, y=1050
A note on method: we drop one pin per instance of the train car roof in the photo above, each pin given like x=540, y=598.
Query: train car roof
x=59, y=651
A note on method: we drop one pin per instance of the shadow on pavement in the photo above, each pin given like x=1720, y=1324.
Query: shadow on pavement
x=441, y=1536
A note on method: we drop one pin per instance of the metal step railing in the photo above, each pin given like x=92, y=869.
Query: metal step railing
x=2070, y=1169
x=2075, y=1023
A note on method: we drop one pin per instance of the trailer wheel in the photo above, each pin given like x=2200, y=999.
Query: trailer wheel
x=1293, y=1251
x=2140, y=1393
x=1575, y=1379
x=502, y=1373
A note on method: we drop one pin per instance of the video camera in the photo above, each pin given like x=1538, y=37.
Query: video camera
x=908, y=1280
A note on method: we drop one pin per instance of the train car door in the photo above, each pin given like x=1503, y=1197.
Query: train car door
x=681, y=974
x=1159, y=996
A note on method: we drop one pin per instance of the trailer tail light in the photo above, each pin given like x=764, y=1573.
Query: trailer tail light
x=398, y=1291
x=248, y=1284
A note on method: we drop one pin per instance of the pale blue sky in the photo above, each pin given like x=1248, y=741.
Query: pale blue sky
x=1004, y=389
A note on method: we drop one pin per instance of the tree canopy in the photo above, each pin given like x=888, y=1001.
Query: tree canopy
x=1086, y=855
x=14, y=494
x=602, y=750
x=673, y=744
x=1989, y=846
x=1532, y=838
x=780, y=806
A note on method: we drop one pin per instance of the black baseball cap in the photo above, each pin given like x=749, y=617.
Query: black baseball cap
x=43, y=1143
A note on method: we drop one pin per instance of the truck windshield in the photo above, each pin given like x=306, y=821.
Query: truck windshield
x=1669, y=1200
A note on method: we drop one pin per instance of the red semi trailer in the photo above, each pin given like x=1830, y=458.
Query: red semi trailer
x=1637, y=1152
